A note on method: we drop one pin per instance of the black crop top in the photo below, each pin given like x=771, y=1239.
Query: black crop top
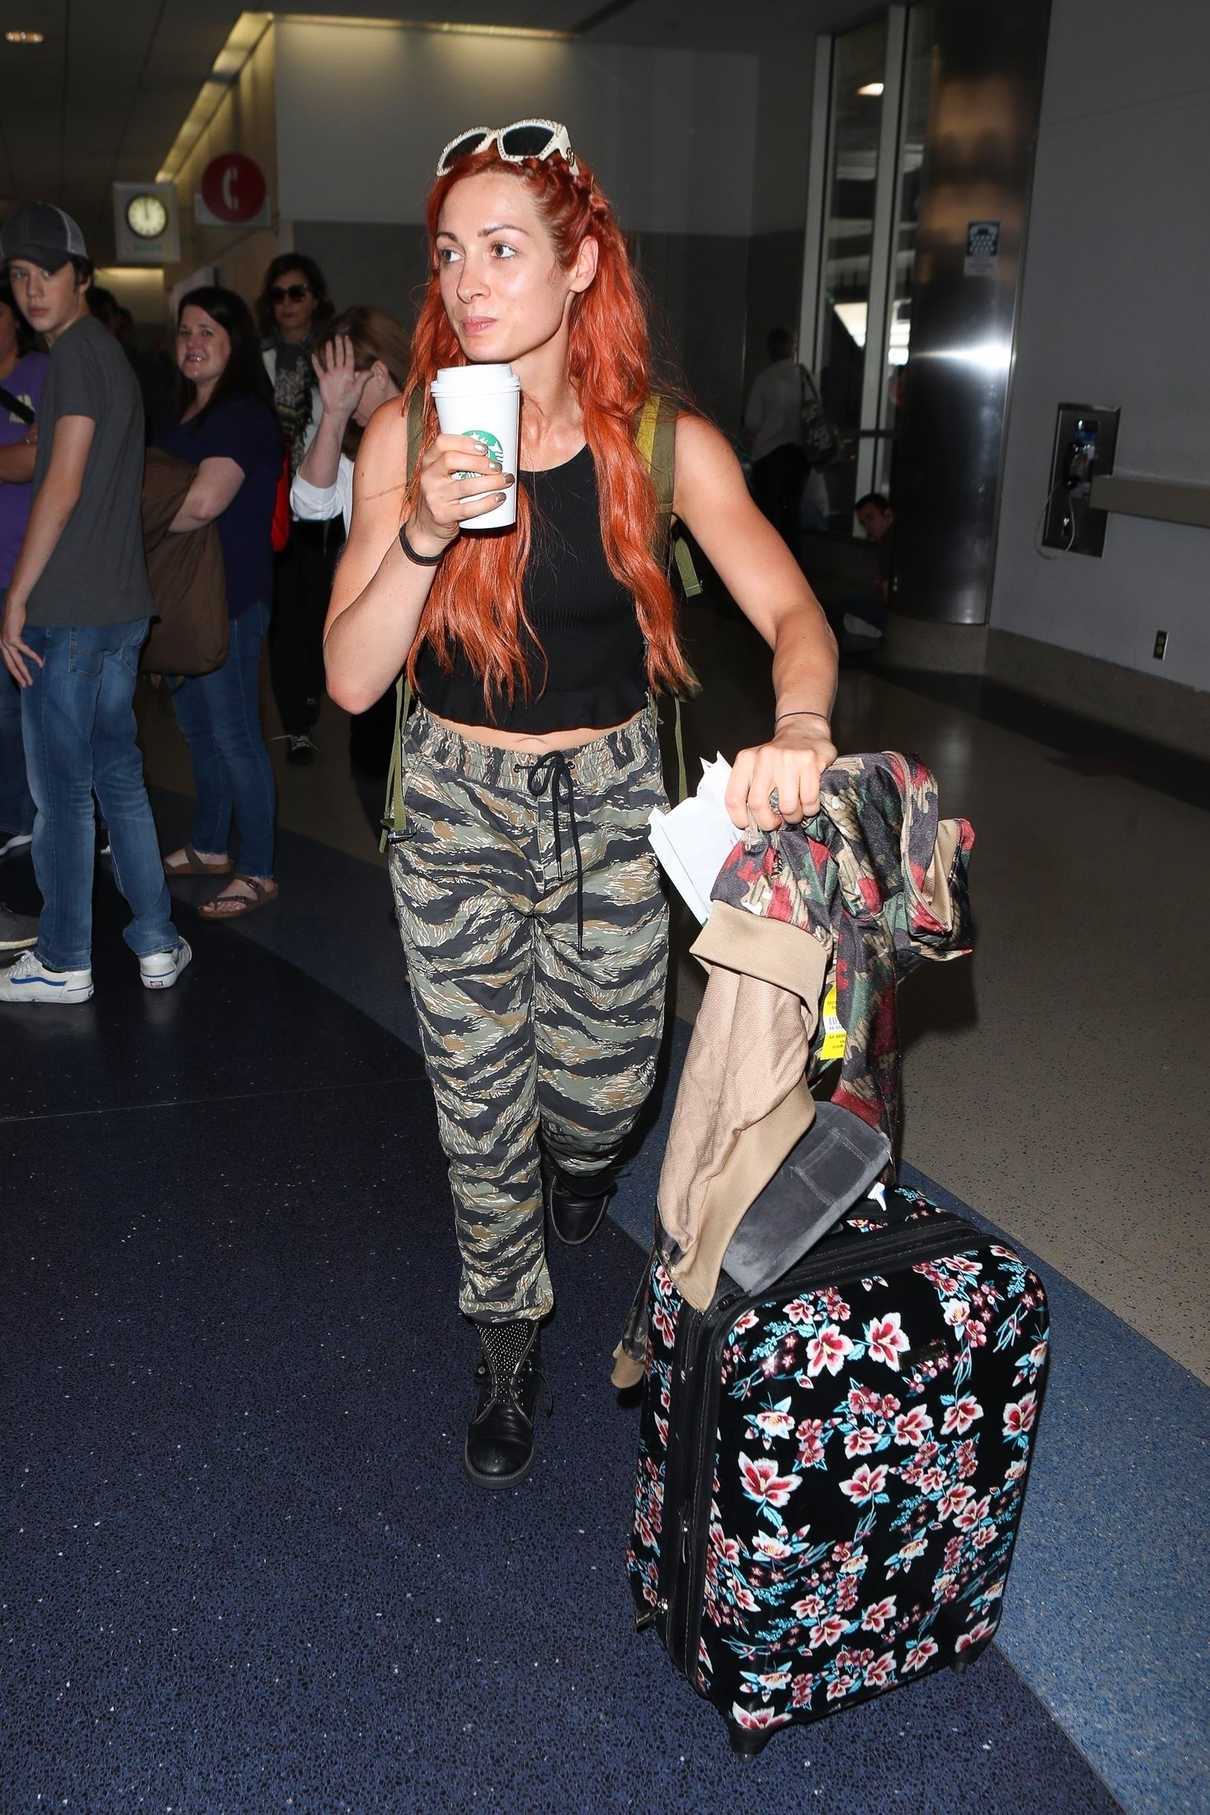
x=585, y=626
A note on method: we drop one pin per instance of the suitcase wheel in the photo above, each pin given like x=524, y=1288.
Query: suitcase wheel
x=747, y=1744
x=962, y=1660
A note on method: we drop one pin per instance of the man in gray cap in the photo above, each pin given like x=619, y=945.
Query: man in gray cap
x=75, y=619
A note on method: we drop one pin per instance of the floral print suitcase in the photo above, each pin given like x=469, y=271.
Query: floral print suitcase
x=831, y=1474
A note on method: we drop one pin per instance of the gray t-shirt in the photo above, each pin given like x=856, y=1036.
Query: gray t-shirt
x=97, y=573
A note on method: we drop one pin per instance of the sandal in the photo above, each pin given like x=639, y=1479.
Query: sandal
x=231, y=907
x=197, y=866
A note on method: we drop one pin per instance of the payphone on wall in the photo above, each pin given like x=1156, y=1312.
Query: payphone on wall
x=1085, y=443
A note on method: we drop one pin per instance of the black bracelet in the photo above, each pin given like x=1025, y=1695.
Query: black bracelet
x=410, y=552
x=805, y=712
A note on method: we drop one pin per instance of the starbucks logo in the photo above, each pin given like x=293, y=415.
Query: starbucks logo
x=491, y=447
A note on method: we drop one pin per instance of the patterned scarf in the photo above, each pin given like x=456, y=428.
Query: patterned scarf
x=292, y=394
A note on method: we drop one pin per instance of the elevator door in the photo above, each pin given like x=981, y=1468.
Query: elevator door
x=877, y=103
x=924, y=128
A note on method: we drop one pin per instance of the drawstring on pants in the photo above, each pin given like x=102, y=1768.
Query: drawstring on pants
x=553, y=772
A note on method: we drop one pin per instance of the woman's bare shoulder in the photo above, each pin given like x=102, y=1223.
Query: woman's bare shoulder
x=699, y=443
x=708, y=475
x=384, y=445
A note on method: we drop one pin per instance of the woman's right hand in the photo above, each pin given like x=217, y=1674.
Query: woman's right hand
x=452, y=471
x=340, y=383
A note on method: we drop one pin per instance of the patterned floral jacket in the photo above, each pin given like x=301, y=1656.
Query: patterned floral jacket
x=879, y=874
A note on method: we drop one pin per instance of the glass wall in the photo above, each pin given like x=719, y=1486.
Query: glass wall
x=855, y=130
x=881, y=93
x=917, y=97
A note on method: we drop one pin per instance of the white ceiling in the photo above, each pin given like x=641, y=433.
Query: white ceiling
x=101, y=100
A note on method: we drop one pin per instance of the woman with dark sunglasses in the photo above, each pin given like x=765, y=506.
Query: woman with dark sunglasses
x=528, y=897
x=294, y=309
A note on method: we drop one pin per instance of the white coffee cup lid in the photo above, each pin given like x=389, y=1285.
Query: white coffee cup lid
x=476, y=378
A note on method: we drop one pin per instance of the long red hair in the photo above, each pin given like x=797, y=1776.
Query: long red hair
x=476, y=598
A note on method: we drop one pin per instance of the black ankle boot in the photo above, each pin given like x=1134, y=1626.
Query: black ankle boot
x=500, y=1440
x=576, y=1209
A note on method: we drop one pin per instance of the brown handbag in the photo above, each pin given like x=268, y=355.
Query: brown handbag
x=188, y=581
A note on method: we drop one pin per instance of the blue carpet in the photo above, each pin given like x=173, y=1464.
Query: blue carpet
x=334, y=919
x=242, y=1569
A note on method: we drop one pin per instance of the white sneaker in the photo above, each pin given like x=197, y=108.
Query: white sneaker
x=28, y=980
x=160, y=970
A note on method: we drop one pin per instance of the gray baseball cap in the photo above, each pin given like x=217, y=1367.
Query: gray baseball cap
x=43, y=234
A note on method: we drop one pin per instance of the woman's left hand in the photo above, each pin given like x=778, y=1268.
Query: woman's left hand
x=778, y=783
x=340, y=383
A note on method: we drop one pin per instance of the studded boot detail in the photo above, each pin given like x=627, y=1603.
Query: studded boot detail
x=500, y=1439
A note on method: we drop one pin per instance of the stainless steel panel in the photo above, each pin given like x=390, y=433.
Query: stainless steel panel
x=988, y=64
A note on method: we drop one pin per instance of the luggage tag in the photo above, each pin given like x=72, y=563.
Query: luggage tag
x=835, y=1038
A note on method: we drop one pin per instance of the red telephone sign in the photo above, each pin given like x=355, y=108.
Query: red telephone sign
x=233, y=187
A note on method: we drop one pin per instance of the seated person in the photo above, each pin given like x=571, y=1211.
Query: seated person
x=876, y=515
x=860, y=621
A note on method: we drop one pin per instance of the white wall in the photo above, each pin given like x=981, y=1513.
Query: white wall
x=1114, y=311
x=363, y=111
x=246, y=121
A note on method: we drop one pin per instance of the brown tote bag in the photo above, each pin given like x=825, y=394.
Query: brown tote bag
x=188, y=581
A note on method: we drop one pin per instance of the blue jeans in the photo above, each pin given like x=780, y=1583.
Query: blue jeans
x=16, y=801
x=220, y=716
x=78, y=724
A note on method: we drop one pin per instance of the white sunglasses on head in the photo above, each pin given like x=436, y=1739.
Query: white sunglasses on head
x=523, y=139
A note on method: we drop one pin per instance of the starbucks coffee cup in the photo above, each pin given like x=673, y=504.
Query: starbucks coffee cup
x=483, y=402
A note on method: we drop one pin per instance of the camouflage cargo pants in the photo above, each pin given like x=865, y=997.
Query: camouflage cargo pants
x=535, y=1035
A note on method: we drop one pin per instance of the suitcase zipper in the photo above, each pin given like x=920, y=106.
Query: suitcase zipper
x=675, y=1547
x=686, y=1593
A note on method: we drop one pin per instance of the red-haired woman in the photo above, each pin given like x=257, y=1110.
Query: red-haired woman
x=528, y=898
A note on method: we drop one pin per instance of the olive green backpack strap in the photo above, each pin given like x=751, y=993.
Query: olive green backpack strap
x=655, y=438
x=394, y=813
x=656, y=441
x=657, y=450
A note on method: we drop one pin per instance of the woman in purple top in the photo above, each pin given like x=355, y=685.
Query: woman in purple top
x=22, y=374
x=226, y=428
